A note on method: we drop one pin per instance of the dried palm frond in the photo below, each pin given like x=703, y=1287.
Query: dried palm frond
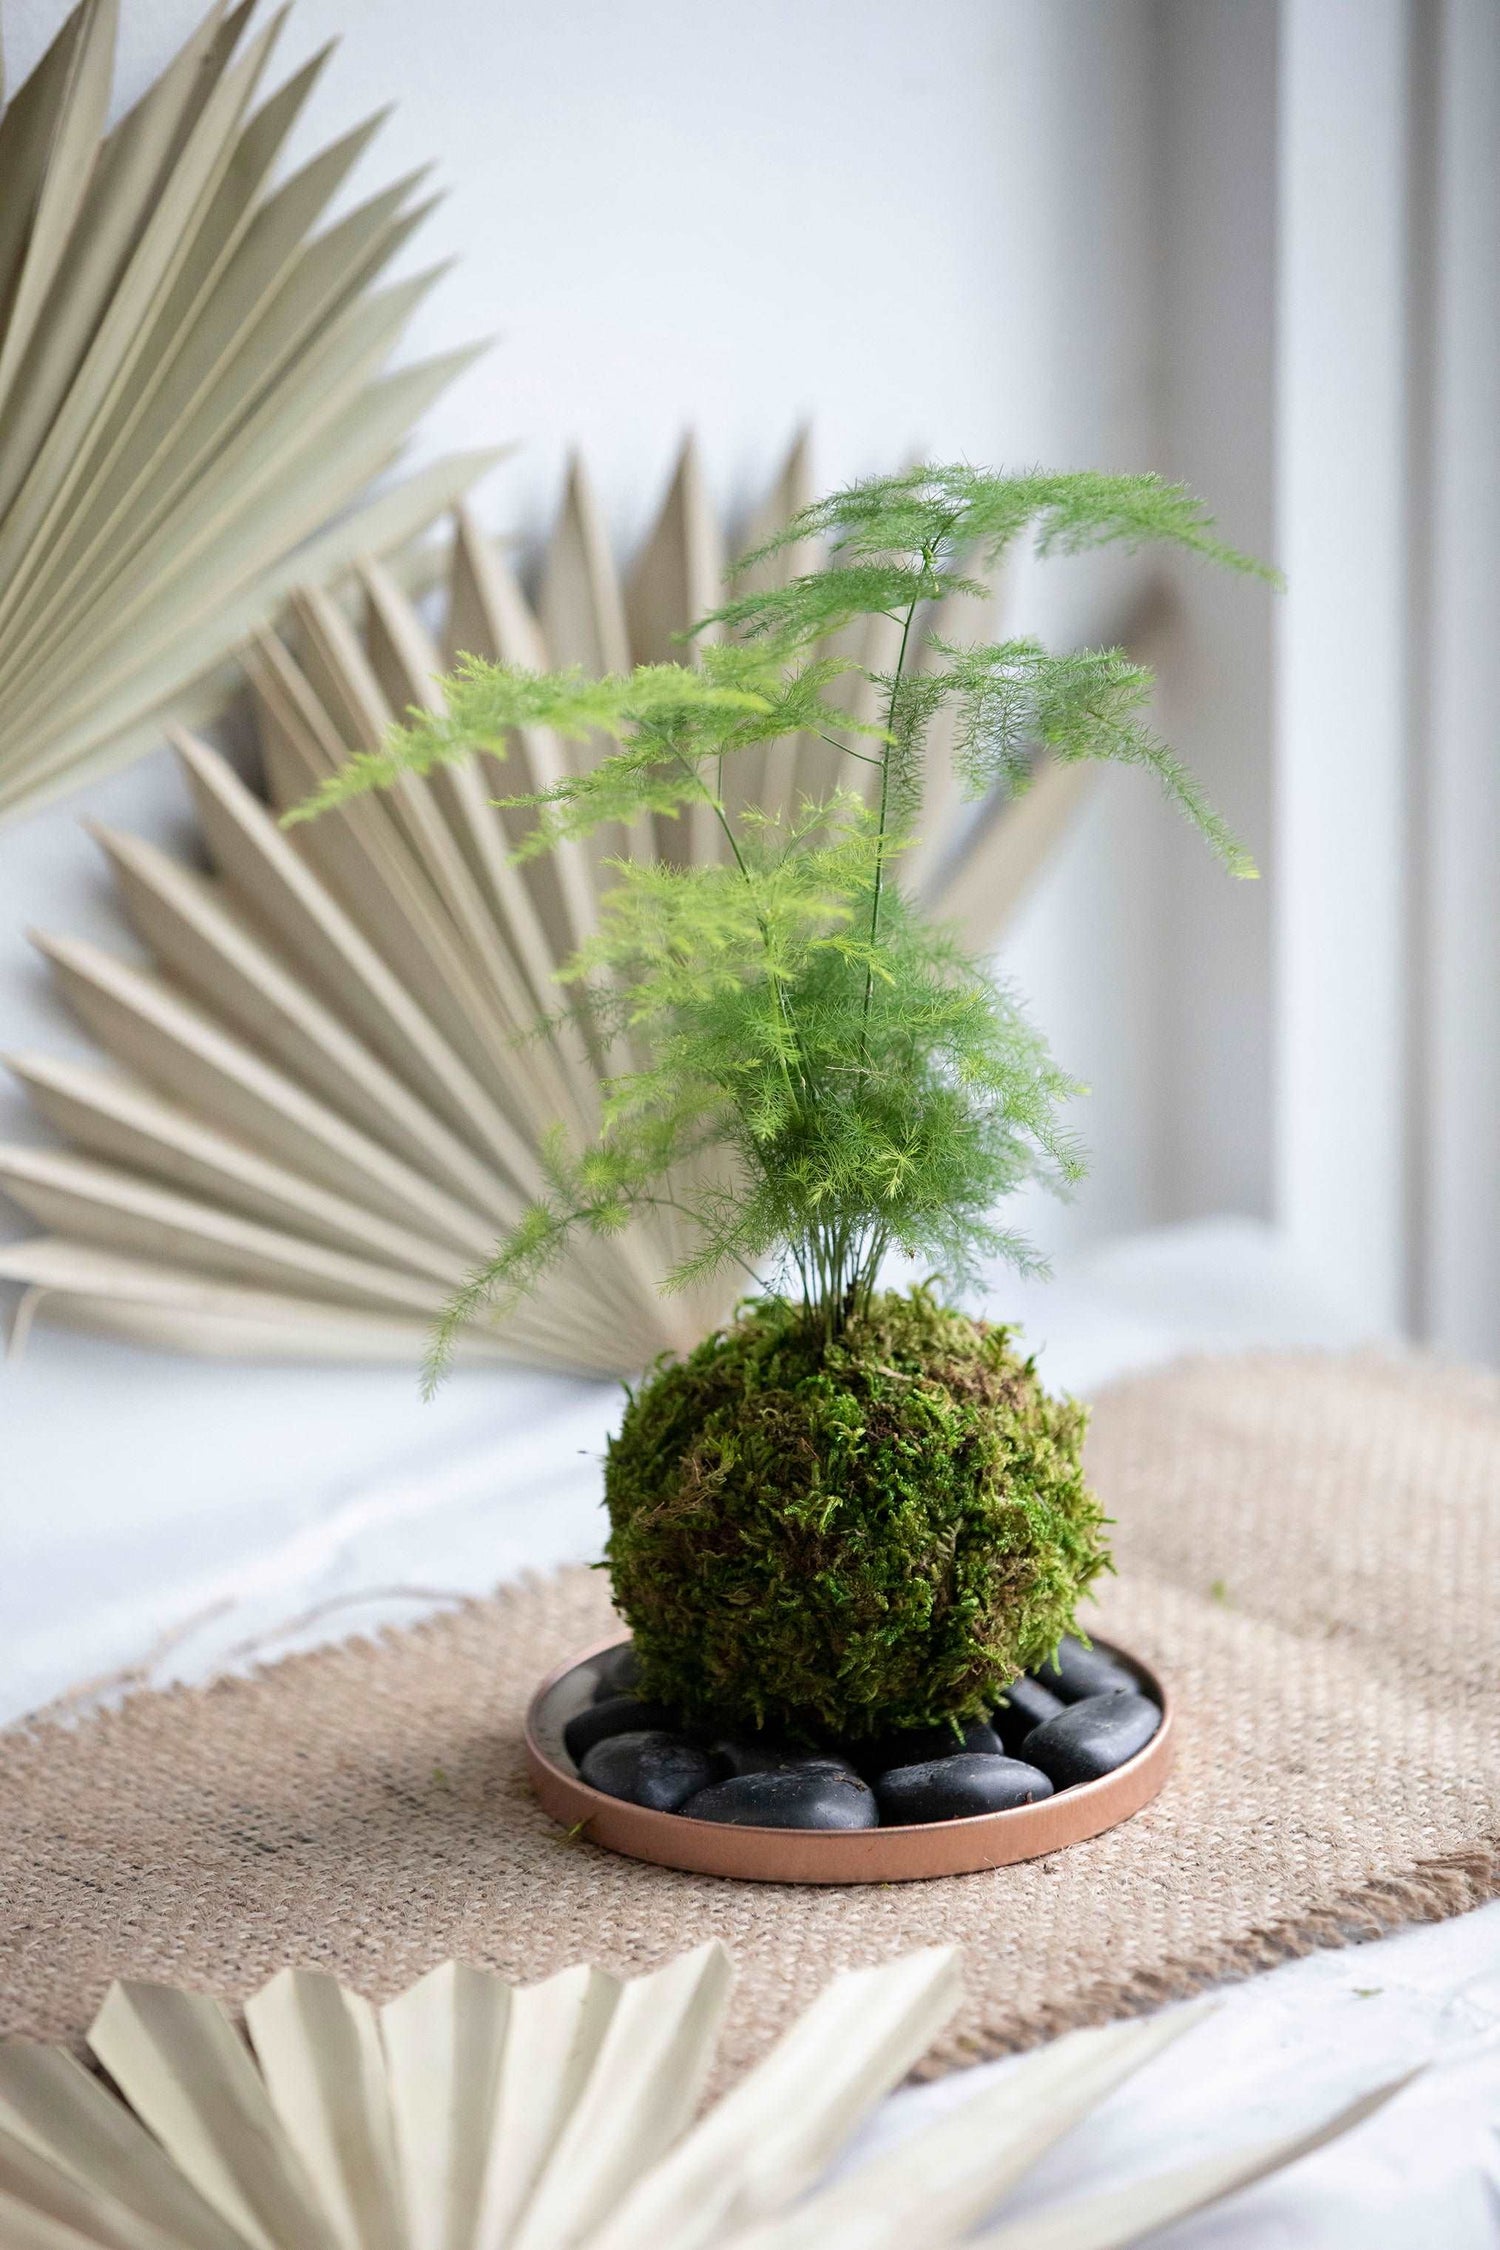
x=191, y=394
x=471, y=2115
x=327, y=1099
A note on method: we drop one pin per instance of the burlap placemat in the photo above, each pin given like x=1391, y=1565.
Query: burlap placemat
x=1310, y=1548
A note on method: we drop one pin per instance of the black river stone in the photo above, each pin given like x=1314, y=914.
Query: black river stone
x=766, y=1754
x=1080, y=1672
x=648, y=1767
x=617, y=1672
x=812, y=1797
x=919, y=1746
x=957, y=1788
x=619, y=1714
x=1091, y=1738
x=1027, y=1704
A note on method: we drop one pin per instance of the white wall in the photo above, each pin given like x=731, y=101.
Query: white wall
x=1388, y=763
x=1343, y=683
x=1456, y=1003
x=913, y=231
x=1250, y=242
x=932, y=229
x=1216, y=242
x=1051, y=230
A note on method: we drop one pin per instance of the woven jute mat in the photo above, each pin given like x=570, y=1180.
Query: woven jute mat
x=1309, y=1549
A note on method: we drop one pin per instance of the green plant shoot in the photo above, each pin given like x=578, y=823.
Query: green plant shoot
x=816, y=1076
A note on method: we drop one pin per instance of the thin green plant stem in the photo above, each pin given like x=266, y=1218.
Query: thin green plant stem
x=929, y=551
x=783, y=1005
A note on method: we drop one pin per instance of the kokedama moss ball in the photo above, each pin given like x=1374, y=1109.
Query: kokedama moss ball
x=844, y=1538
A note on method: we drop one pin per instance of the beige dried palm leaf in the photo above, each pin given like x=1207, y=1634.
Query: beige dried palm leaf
x=327, y=1096
x=191, y=385
x=471, y=2115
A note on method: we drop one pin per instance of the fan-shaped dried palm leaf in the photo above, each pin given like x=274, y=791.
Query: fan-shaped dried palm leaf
x=326, y=1100
x=468, y=2115
x=190, y=385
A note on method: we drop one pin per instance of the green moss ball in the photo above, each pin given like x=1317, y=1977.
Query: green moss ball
x=844, y=1538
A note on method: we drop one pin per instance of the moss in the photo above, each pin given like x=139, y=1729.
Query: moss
x=879, y=1532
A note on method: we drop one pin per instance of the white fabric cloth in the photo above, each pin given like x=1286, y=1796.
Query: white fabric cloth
x=1287, y=2049
x=149, y=1496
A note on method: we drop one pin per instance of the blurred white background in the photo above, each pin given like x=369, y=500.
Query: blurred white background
x=1251, y=243
x=1246, y=242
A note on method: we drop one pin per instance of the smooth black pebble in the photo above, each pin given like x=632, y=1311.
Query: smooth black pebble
x=746, y=1754
x=788, y=1799
x=1091, y=1738
x=648, y=1767
x=619, y=1714
x=1080, y=1672
x=920, y=1746
x=617, y=1672
x=1027, y=1704
x=957, y=1788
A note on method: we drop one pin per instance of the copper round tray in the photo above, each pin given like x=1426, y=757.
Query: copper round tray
x=827, y=1855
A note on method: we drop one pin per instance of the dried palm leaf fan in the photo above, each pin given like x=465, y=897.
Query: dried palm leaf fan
x=324, y=1101
x=468, y=2115
x=190, y=386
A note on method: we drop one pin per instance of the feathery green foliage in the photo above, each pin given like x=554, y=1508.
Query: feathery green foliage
x=825, y=1077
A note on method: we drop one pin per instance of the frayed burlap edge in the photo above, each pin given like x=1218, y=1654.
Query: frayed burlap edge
x=1430, y=1891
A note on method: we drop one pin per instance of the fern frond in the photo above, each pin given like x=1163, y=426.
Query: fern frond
x=953, y=508
x=824, y=1077
x=1017, y=699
